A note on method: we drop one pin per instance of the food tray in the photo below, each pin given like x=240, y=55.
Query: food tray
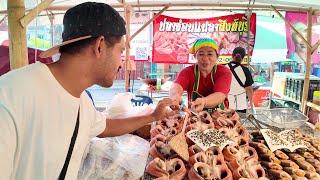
x=286, y=118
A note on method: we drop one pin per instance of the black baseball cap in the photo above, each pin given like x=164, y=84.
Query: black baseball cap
x=239, y=50
x=86, y=20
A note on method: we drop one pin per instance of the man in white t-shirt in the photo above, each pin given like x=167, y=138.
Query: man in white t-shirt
x=241, y=84
x=46, y=118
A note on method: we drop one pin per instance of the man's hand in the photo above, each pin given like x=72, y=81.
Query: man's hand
x=162, y=111
x=198, y=104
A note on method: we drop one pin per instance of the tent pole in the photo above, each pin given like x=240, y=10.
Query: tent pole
x=291, y=26
x=17, y=34
x=25, y=20
x=248, y=40
x=147, y=23
x=127, y=58
x=308, y=63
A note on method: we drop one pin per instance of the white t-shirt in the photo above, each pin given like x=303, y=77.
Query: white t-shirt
x=37, y=120
x=237, y=95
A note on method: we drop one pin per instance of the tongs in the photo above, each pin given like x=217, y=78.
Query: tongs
x=257, y=123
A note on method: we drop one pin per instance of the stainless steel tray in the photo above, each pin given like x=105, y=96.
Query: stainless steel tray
x=284, y=118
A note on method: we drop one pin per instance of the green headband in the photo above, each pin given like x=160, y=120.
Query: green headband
x=203, y=42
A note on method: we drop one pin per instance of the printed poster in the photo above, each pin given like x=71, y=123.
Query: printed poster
x=140, y=45
x=297, y=49
x=172, y=37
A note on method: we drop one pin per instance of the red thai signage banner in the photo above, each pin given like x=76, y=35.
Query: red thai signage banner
x=172, y=37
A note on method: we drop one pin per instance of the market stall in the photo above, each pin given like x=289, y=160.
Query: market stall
x=220, y=145
x=266, y=145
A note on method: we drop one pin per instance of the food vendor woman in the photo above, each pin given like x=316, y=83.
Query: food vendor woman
x=206, y=82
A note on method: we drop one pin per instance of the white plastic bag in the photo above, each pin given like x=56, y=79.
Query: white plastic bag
x=123, y=157
x=120, y=104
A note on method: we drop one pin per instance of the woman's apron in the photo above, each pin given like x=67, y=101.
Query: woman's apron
x=195, y=94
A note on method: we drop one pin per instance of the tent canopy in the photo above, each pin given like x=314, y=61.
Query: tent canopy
x=294, y=3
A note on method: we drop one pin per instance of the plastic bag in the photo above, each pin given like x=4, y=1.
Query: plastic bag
x=121, y=107
x=123, y=157
x=121, y=103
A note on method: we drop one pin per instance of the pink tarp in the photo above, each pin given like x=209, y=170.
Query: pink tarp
x=5, y=60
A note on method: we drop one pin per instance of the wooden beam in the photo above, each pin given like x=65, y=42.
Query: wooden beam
x=17, y=35
x=291, y=26
x=35, y=12
x=314, y=106
x=126, y=5
x=127, y=58
x=223, y=5
x=147, y=23
x=308, y=64
x=315, y=47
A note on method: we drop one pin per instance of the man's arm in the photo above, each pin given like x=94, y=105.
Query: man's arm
x=8, y=143
x=175, y=92
x=116, y=127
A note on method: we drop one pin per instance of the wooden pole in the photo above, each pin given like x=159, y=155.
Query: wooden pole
x=17, y=34
x=147, y=23
x=291, y=26
x=315, y=47
x=25, y=20
x=125, y=5
x=127, y=58
x=308, y=64
x=248, y=41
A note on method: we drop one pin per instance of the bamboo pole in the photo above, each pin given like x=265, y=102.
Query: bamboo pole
x=25, y=20
x=125, y=5
x=297, y=32
x=308, y=64
x=315, y=47
x=127, y=58
x=147, y=23
x=248, y=41
x=17, y=34
x=314, y=106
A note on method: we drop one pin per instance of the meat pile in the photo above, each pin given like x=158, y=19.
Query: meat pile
x=171, y=42
x=281, y=164
x=237, y=160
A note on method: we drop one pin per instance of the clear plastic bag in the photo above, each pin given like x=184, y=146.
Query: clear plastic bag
x=123, y=157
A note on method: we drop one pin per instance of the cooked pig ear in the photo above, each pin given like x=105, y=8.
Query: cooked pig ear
x=176, y=169
x=230, y=153
x=256, y=171
x=157, y=168
x=199, y=157
x=158, y=137
x=199, y=171
x=194, y=149
x=157, y=130
x=241, y=172
x=154, y=150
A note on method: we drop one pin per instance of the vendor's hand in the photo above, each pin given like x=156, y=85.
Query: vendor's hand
x=198, y=104
x=162, y=111
x=177, y=99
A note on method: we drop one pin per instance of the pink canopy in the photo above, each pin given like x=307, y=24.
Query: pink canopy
x=5, y=60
